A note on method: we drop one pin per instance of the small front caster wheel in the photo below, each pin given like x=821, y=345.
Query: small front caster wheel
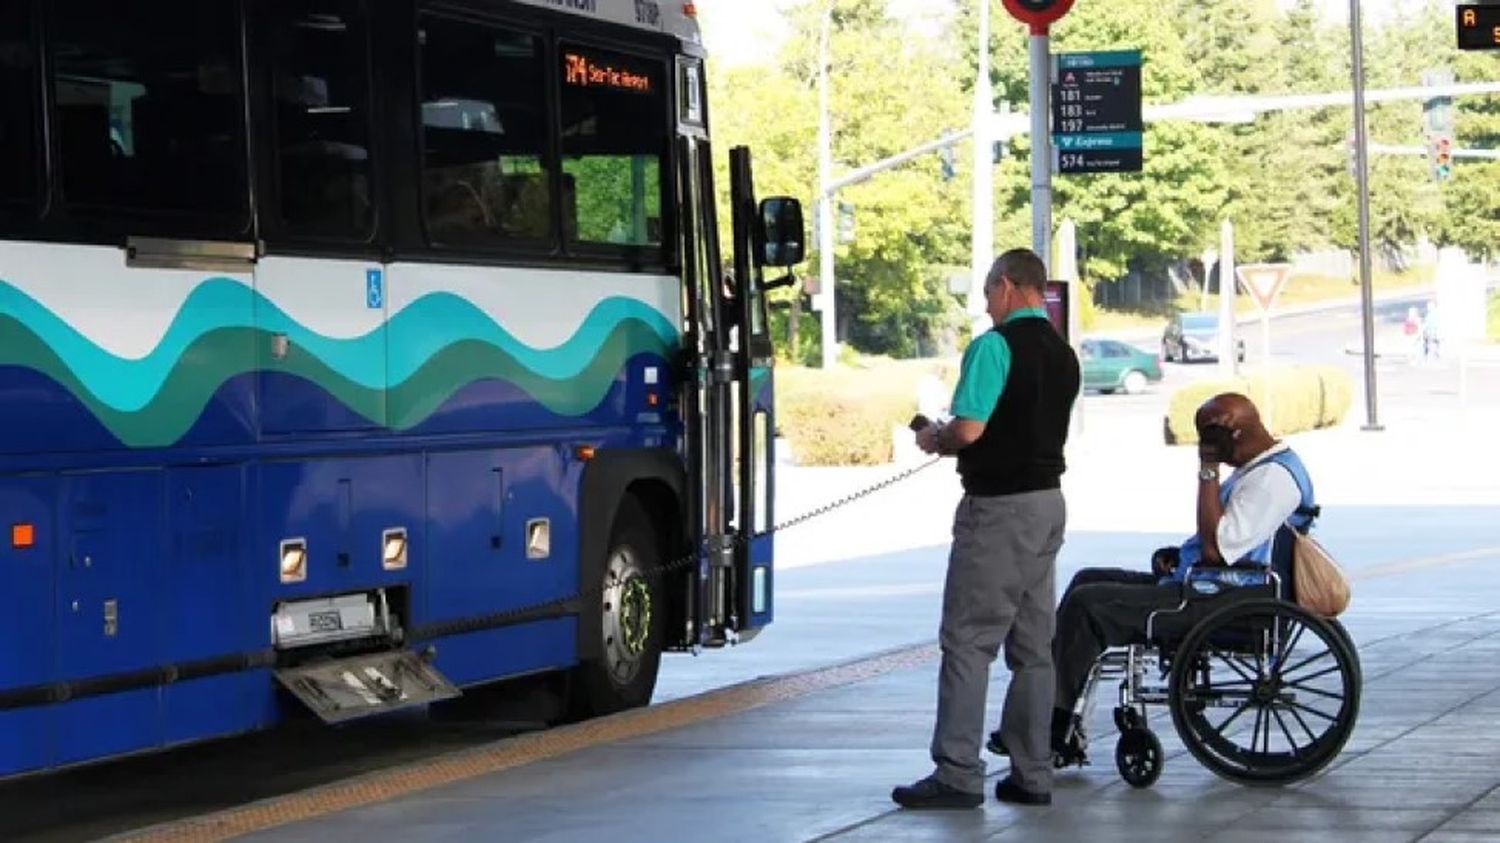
x=1138, y=757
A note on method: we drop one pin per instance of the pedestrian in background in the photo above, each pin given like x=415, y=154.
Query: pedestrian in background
x=1012, y=409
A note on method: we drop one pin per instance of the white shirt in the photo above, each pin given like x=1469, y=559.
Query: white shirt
x=1261, y=501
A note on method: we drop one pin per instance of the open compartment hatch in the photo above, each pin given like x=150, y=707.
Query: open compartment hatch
x=359, y=686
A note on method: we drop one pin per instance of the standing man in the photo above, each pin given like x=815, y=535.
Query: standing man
x=1012, y=408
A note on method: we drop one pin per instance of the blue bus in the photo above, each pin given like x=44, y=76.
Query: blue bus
x=361, y=354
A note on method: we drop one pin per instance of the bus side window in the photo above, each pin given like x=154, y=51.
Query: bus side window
x=149, y=109
x=18, y=97
x=614, y=142
x=486, y=177
x=322, y=93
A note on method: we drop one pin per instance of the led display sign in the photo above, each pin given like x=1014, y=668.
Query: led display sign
x=582, y=70
x=1478, y=27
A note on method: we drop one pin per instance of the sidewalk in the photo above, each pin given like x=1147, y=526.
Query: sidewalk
x=1420, y=765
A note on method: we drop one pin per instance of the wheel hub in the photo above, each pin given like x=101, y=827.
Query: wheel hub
x=635, y=615
x=1266, y=691
x=627, y=617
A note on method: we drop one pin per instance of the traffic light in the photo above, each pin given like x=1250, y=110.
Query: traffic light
x=846, y=222
x=945, y=155
x=1440, y=152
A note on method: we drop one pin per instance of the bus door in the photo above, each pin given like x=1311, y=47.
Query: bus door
x=707, y=396
x=754, y=411
x=727, y=404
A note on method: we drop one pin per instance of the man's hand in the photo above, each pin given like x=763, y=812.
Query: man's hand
x=927, y=438
x=1165, y=560
x=1208, y=456
x=1216, y=437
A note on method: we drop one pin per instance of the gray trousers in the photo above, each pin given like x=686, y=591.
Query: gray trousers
x=1000, y=589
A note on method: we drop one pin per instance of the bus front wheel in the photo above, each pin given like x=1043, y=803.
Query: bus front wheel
x=629, y=605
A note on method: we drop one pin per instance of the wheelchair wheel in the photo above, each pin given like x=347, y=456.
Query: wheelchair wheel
x=1265, y=693
x=1138, y=757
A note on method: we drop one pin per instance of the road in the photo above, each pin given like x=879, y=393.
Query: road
x=1335, y=337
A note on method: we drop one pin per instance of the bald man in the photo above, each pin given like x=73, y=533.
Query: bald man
x=1237, y=522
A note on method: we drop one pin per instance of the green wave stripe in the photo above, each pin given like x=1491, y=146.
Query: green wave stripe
x=218, y=355
x=404, y=344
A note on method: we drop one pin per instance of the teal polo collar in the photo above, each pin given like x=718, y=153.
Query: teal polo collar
x=1025, y=313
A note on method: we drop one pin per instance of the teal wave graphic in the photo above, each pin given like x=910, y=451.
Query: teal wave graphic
x=386, y=357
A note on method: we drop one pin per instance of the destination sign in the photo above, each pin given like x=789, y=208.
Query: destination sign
x=585, y=71
x=1096, y=106
x=1101, y=161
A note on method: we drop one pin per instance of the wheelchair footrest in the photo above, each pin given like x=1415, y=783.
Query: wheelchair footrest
x=1072, y=757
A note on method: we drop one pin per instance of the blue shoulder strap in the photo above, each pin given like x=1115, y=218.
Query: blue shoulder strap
x=1308, y=510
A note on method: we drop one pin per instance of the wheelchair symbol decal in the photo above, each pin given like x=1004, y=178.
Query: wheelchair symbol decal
x=374, y=289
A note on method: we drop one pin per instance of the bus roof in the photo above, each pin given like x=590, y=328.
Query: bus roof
x=666, y=16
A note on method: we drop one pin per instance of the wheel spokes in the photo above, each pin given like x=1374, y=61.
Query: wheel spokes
x=1265, y=658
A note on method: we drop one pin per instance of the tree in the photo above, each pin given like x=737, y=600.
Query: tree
x=889, y=92
x=1472, y=196
x=1281, y=177
x=1125, y=221
x=1286, y=169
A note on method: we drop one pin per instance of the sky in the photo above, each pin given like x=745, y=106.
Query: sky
x=748, y=31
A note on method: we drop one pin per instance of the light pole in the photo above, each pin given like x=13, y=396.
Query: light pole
x=1041, y=148
x=1362, y=184
x=825, y=200
x=982, y=246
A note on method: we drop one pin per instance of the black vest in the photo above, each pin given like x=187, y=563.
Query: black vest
x=1021, y=449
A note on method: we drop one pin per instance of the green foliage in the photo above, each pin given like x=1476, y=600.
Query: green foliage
x=888, y=92
x=1471, y=197
x=846, y=416
x=1282, y=178
x=1304, y=398
x=618, y=198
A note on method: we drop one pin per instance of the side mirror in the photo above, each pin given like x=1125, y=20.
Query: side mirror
x=782, y=237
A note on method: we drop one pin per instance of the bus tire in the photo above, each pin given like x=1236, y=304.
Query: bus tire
x=631, y=608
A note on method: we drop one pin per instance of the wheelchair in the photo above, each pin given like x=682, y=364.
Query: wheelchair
x=1261, y=691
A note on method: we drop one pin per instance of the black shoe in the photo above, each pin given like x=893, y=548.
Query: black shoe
x=996, y=745
x=1006, y=790
x=1066, y=727
x=931, y=793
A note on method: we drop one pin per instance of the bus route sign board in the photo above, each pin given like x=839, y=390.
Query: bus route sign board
x=1097, y=125
x=1478, y=26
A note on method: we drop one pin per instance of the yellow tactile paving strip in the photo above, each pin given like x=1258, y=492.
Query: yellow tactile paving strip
x=388, y=784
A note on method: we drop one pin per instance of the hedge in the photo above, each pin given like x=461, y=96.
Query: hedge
x=844, y=416
x=1304, y=398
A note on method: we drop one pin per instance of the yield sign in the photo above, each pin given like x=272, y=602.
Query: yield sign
x=1264, y=280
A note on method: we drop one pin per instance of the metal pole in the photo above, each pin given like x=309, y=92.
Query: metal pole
x=1041, y=150
x=1067, y=270
x=825, y=201
x=1228, y=283
x=1265, y=356
x=1362, y=182
x=981, y=238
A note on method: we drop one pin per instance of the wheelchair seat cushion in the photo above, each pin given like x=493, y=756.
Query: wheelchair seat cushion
x=1171, y=627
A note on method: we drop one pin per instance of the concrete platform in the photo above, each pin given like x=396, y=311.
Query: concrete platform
x=809, y=752
x=813, y=756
